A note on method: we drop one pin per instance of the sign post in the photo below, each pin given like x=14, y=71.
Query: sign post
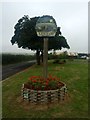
x=46, y=27
x=45, y=58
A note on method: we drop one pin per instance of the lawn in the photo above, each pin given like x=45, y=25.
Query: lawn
x=73, y=73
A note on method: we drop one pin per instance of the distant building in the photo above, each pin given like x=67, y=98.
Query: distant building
x=67, y=53
x=72, y=54
x=83, y=55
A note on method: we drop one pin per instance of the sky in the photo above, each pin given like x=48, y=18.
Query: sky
x=71, y=16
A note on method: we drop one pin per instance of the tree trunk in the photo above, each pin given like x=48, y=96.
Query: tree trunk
x=38, y=57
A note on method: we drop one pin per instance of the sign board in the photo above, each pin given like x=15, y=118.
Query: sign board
x=46, y=26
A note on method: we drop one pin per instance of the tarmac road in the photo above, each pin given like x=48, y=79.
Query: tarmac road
x=10, y=70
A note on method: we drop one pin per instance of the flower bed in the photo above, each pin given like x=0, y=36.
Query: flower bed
x=39, y=90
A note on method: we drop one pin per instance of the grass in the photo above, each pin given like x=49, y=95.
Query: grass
x=73, y=73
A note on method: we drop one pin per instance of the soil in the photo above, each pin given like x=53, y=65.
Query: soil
x=44, y=106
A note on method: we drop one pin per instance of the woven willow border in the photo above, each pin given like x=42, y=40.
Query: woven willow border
x=39, y=96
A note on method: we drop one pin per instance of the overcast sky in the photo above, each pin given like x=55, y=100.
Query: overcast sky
x=72, y=17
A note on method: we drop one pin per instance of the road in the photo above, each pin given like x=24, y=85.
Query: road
x=9, y=70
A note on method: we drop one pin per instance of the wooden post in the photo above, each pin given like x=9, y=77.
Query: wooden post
x=45, y=58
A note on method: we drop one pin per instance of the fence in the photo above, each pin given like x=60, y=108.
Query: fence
x=42, y=96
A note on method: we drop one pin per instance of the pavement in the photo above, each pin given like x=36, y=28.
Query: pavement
x=9, y=70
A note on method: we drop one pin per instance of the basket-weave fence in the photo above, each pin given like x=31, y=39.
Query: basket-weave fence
x=43, y=96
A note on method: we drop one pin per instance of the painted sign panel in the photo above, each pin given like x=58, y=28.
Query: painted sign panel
x=46, y=26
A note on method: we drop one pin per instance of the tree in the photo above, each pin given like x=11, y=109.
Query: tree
x=25, y=37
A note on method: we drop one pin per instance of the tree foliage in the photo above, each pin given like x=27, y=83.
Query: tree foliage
x=25, y=36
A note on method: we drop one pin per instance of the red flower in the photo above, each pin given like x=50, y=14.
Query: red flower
x=47, y=82
x=38, y=83
x=34, y=81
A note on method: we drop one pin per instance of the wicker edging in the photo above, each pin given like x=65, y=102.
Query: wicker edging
x=42, y=96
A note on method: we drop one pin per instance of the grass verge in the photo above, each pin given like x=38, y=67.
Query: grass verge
x=73, y=73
